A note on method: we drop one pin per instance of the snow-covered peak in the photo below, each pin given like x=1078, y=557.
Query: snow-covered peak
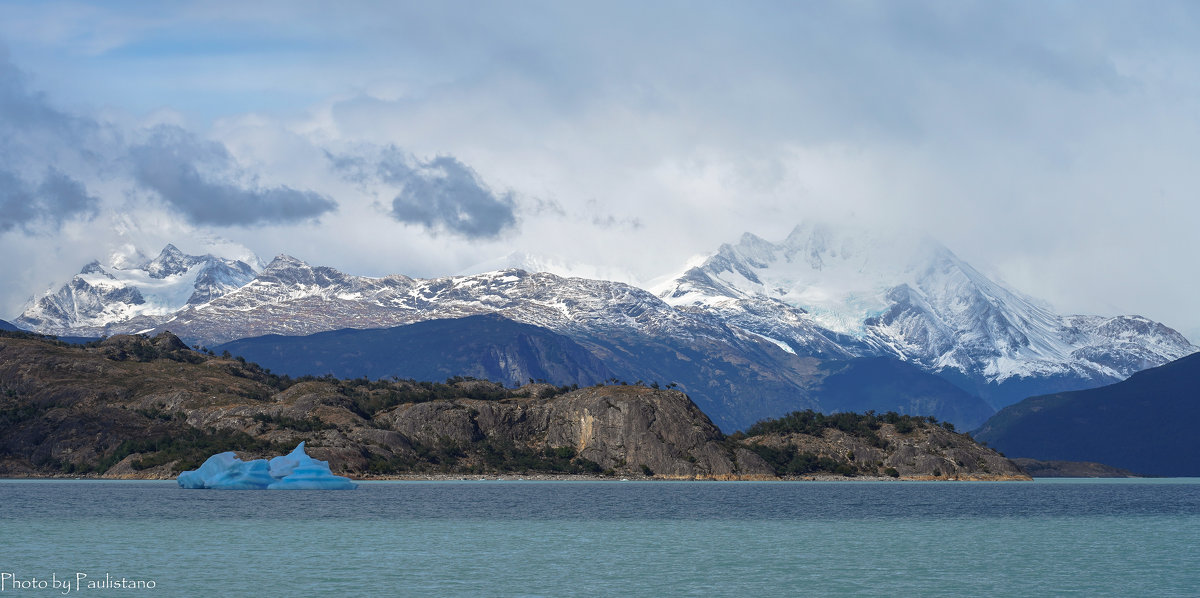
x=101, y=295
x=840, y=277
x=171, y=261
x=908, y=296
x=534, y=262
x=95, y=268
x=284, y=262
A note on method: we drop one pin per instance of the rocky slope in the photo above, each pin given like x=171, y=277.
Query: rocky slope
x=841, y=292
x=139, y=407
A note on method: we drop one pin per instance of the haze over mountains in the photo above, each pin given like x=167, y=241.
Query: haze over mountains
x=757, y=330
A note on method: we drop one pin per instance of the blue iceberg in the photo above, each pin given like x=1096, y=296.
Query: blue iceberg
x=293, y=471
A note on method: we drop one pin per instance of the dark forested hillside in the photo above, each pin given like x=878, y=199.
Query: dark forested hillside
x=1145, y=424
x=488, y=346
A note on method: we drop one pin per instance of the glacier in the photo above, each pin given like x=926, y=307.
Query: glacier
x=293, y=471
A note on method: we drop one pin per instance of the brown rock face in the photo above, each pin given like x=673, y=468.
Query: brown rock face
x=926, y=452
x=625, y=429
x=138, y=407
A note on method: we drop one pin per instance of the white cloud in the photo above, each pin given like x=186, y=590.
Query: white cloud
x=1051, y=141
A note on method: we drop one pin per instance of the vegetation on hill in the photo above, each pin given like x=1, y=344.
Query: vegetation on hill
x=849, y=444
x=136, y=406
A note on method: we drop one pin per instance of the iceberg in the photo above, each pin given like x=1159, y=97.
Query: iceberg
x=293, y=471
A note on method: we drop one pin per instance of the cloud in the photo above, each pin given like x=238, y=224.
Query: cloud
x=55, y=199
x=22, y=109
x=33, y=136
x=202, y=181
x=441, y=194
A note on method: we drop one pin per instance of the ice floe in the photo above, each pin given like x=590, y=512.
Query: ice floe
x=293, y=471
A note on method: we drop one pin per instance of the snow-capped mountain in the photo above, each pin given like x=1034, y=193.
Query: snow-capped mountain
x=292, y=297
x=736, y=377
x=104, y=299
x=756, y=330
x=532, y=262
x=822, y=291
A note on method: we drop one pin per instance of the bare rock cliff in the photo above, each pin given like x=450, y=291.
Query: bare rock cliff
x=132, y=406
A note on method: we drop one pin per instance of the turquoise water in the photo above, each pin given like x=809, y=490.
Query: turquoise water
x=1085, y=538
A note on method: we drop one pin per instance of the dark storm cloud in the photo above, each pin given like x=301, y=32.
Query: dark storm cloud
x=441, y=194
x=446, y=193
x=31, y=134
x=56, y=199
x=22, y=109
x=198, y=178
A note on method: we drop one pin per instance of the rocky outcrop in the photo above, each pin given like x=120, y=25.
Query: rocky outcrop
x=132, y=406
x=630, y=429
x=927, y=452
x=1072, y=469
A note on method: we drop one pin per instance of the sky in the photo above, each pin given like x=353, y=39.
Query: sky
x=1050, y=144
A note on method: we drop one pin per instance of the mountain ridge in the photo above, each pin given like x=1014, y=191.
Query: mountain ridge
x=1144, y=423
x=727, y=333
x=826, y=292
x=102, y=300
x=486, y=346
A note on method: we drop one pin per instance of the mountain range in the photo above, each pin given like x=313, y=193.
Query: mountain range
x=838, y=292
x=827, y=320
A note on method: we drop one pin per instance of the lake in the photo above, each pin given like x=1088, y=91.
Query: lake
x=524, y=538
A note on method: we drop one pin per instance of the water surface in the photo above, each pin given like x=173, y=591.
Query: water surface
x=1049, y=537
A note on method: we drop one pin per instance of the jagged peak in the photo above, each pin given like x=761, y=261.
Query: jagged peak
x=172, y=261
x=94, y=267
x=169, y=254
x=805, y=232
x=750, y=239
x=284, y=261
x=170, y=250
